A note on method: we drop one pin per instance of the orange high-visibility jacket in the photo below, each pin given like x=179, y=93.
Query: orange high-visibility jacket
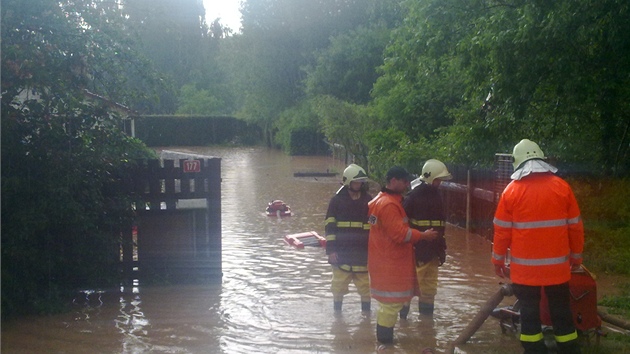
x=391, y=263
x=538, y=219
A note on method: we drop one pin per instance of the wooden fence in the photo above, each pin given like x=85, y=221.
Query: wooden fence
x=472, y=195
x=177, y=235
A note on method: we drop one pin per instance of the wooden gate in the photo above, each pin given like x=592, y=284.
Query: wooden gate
x=177, y=231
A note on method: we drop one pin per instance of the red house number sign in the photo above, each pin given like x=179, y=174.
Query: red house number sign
x=192, y=166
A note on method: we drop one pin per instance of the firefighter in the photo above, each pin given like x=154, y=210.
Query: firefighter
x=347, y=234
x=390, y=252
x=425, y=210
x=538, y=220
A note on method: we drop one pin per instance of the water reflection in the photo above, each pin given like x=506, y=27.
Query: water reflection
x=273, y=298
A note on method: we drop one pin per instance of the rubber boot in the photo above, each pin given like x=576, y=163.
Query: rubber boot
x=337, y=306
x=384, y=335
x=538, y=347
x=425, y=308
x=570, y=347
x=404, y=312
x=366, y=306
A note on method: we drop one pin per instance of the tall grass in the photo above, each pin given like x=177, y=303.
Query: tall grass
x=605, y=207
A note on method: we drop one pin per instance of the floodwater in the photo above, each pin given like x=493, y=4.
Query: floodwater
x=273, y=298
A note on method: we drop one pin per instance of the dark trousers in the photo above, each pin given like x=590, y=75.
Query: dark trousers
x=559, y=299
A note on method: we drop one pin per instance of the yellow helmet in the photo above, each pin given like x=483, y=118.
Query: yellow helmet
x=526, y=150
x=433, y=169
x=354, y=173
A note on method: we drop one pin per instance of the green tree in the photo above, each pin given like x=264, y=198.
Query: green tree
x=390, y=146
x=298, y=131
x=63, y=150
x=198, y=102
x=421, y=82
x=347, y=69
x=561, y=71
x=345, y=123
x=278, y=41
x=265, y=78
x=557, y=71
x=212, y=78
x=175, y=38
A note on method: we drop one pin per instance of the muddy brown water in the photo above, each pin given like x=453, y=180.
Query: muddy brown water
x=273, y=298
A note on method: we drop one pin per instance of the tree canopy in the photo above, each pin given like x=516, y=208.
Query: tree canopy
x=553, y=72
x=556, y=72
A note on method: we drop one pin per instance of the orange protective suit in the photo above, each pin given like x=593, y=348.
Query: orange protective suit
x=391, y=263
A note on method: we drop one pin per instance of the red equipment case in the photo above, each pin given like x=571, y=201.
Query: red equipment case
x=583, y=301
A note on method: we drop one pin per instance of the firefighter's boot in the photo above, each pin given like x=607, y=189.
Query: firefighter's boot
x=537, y=347
x=570, y=347
x=426, y=308
x=366, y=306
x=337, y=306
x=384, y=335
x=404, y=312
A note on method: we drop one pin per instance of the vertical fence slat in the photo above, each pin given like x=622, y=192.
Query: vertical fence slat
x=169, y=184
x=472, y=195
x=155, y=187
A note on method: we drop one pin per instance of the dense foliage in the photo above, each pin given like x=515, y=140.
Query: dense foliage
x=283, y=40
x=557, y=72
x=454, y=79
x=62, y=148
x=185, y=130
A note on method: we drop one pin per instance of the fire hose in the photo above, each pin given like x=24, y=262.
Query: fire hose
x=481, y=316
x=495, y=300
x=615, y=321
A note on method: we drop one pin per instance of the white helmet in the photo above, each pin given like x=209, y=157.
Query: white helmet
x=354, y=173
x=433, y=169
x=526, y=150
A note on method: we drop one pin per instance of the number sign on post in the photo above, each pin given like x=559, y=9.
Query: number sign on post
x=191, y=166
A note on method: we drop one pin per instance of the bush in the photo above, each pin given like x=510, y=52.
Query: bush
x=195, y=131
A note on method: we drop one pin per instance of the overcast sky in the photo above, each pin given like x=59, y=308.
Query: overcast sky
x=226, y=9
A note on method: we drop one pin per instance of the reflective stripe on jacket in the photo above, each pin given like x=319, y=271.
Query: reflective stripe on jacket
x=347, y=230
x=390, y=253
x=538, y=219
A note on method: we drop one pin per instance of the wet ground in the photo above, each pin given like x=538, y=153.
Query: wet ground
x=273, y=298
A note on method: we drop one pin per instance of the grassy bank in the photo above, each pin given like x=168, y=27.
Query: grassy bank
x=605, y=207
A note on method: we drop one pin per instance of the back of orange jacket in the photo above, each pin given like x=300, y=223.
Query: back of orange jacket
x=538, y=220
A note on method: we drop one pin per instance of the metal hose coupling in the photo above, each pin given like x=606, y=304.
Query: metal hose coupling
x=506, y=289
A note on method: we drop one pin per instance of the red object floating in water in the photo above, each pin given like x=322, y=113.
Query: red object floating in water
x=300, y=240
x=278, y=208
